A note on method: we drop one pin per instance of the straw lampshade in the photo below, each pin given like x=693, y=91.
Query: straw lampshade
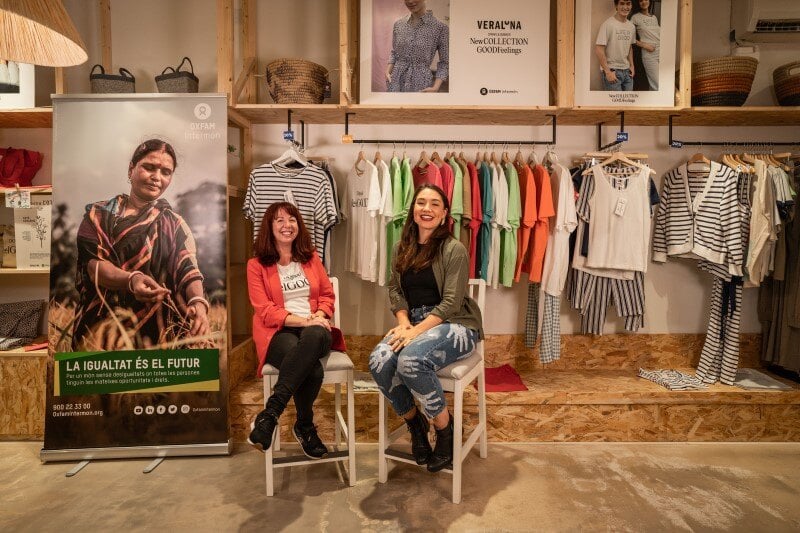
x=39, y=32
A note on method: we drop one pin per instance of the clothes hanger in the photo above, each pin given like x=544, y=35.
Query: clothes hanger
x=360, y=159
x=698, y=163
x=291, y=154
x=423, y=160
x=519, y=159
x=619, y=157
x=533, y=159
x=505, y=158
x=378, y=156
x=436, y=158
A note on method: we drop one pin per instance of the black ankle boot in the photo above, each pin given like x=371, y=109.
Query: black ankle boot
x=420, y=447
x=442, y=456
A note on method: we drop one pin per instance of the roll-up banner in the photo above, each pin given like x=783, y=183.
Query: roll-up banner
x=138, y=302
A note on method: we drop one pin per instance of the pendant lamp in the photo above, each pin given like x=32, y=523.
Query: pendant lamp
x=39, y=32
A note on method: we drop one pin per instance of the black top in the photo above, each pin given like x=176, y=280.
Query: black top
x=420, y=287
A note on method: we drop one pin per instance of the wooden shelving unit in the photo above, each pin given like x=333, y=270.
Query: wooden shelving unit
x=24, y=271
x=39, y=117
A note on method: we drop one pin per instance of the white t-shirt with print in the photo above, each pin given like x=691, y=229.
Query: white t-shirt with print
x=647, y=27
x=295, y=288
x=362, y=200
x=617, y=37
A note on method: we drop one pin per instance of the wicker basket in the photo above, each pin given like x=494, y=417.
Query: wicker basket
x=786, y=79
x=178, y=81
x=103, y=83
x=723, y=81
x=296, y=81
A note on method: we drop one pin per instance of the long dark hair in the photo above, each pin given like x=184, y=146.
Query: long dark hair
x=265, y=249
x=638, y=9
x=410, y=253
x=152, y=145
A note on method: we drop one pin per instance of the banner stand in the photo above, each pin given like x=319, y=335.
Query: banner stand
x=136, y=452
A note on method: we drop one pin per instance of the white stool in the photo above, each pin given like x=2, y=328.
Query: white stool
x=338, y=370
x=454, y=378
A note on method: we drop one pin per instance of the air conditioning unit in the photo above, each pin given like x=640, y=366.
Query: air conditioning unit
x=766, y=21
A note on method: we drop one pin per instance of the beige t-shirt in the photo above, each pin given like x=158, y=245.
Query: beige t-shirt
x=617, y=37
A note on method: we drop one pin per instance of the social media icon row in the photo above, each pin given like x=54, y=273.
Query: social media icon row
x=160, y=409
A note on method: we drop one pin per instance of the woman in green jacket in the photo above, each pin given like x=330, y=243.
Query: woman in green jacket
x=437, y=324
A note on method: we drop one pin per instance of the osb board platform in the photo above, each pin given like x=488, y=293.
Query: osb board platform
x=22, y=396
x=584, y=405
x=616, y=351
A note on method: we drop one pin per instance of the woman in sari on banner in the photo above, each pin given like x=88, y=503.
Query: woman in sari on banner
x=138, y=257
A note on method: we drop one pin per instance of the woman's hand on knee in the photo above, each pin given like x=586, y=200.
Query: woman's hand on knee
x=401, y=336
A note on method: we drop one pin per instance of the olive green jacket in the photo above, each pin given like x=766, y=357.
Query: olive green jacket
x=451, y=270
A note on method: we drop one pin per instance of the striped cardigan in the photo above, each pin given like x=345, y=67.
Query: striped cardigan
x=699, y=217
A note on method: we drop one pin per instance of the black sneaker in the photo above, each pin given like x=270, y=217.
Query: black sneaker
x=262, y=431
x=309, y=441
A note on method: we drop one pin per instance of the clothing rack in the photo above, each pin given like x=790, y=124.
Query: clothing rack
x=622, y=136
x=674, y=143
x=348, y=139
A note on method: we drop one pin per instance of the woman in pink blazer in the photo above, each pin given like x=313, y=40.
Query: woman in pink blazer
x=293, y=300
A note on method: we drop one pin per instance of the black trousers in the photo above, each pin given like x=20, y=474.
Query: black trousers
x=296, y=352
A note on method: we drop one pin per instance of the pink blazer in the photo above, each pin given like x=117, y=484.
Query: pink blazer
x=266, y=296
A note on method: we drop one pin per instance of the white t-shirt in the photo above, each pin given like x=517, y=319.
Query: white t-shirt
x=362, y=204
x=617, y=37
x=648, y=29
x=556, y=257
x=386, y=215
x=295, y=288
x=499, y=221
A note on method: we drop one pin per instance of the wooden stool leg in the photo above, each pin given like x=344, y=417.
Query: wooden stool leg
x=351, y=429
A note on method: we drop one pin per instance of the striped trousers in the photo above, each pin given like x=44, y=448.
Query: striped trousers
x=719, y=359
x=592, y=295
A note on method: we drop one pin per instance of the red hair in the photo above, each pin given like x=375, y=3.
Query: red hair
x=265, y=249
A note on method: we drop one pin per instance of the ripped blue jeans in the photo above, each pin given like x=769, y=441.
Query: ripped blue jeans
x=411, y=373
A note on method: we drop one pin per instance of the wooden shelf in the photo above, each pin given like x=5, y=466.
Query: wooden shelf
x=21, y=271
x=692, y=116
x=277, y=113
x=39, y=117
x=444, y=115
x=19, y=352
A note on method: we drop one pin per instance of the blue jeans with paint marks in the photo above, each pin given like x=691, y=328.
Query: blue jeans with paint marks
x=411, y=373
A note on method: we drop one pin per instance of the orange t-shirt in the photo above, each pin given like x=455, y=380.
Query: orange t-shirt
x=527, y=195
x=534, y=261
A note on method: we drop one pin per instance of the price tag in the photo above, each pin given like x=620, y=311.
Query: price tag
x=18, y=199
x=328, y=89
x=347, y=139
x=622, y=136
x=676, y=144
x=619, y=210
x=288, y=135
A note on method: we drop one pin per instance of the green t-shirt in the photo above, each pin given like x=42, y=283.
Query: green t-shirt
x=508, y=242
x=457, y=205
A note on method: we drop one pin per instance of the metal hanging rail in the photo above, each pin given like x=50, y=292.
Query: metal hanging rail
x=620, y=134
x=552, y=141
x=674, y=143
x=302, y=144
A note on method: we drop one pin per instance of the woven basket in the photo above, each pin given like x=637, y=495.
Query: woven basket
x=723, y=81
x=175, y=80
x=111, y=83
x=786, y=79
x=296, y=81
